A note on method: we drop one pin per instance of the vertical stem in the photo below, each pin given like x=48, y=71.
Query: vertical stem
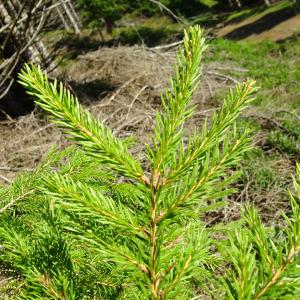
x=153, y=246
x=154, y=278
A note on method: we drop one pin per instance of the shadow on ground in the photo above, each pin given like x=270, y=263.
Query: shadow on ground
x=265, y=23
x=245, y=15
x=16, y=103
x=91, y=91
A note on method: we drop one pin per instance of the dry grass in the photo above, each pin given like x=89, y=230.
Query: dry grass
x=120, y=86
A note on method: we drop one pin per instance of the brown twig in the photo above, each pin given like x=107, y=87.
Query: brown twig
x=167, y=46
x=5, y=179
x=117, y=92
x=16, y=169
x=222, y=76
x=134, y=99
x=14, y=201
x=169, y=11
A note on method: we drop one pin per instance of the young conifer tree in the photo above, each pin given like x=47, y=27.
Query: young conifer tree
x=265, y=260
x=145, y=233
x=154, y=239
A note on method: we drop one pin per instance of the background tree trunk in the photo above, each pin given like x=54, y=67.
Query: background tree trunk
x=21, y=22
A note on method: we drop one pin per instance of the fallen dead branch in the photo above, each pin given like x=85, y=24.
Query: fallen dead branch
x=170, y=12
x=5, y=179
x=168, y=46
x=16, y=169
x=220, y=75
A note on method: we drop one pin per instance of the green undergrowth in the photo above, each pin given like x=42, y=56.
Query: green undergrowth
x=275, y=116
x=273, y=65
